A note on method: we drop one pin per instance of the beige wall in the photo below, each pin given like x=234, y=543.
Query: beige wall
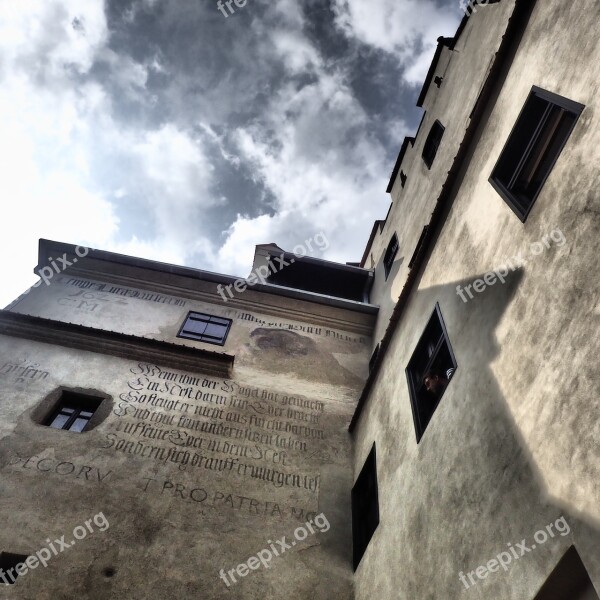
x=194, y=473
x=514, y=442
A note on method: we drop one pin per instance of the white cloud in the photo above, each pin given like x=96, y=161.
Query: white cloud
x=407, y=29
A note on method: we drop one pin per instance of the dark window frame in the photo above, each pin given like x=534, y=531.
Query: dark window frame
x=75, y=407
x=390, y=255
x=546, y=131
x=432, y=143
x=205, y=338
x=423, y=407
x=365, y=507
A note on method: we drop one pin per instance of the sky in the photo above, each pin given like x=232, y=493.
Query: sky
x=166, y=130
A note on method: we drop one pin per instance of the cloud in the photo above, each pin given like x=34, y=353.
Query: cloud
x=407, y=29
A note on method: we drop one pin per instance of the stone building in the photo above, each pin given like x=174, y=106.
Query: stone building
x=422, y=425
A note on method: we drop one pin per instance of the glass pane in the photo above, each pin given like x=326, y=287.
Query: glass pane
x=215, y=331
x=66, y=410
x=195, y=327
x=59, y=421
x=86, y=414
x=79, y=425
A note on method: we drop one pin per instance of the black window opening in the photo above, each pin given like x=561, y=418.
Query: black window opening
x=429, y=371
x=8, y=564
x=432, y=143
x=205, y=328
x=73, y=412
x=390, y=255
x=373, y=359
x=533, y=147
x=365, y=508
x=569, y=580
x=403, y=178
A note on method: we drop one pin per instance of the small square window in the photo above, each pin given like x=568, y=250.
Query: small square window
x=8, y=562
x=390, y=255
x=73, y=412
x=205, y=328
x=365, y=507
x=533, y=147
x=432, y=143
x=429, y=371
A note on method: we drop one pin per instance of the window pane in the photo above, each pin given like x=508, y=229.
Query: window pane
x=195, y=327
x=79, y=425
x=59, y=421
x=215, y=331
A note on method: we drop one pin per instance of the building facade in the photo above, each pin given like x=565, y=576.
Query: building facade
x=420, y=426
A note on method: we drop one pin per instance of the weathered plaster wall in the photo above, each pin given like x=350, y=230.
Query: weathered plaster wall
x=194, y=473
x=514, y=442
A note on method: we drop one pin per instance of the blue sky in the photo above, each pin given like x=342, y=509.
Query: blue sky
x=162, y=129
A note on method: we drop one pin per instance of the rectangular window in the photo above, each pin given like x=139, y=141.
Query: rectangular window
x=390, y=255
x=429, y=371
x=73, y=412
x=432, y=143
x=8, y=562
x=365, y=507
x=205, y=328
x=533, y=147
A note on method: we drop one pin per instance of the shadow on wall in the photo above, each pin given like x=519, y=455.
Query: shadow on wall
x=475, y=468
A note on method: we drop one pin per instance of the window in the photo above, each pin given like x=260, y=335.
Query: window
x=432, y=143
x=569, y=580
x=73, y=412
x=403, y=178
x=532, y=149
x=417, y=251
x=8, y=562
x=373, y=358
x=365, y=507
x=429, y=371
x=390, y=255
x=205, y=328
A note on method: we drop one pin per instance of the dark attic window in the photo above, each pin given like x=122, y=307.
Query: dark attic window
x=429, y=371
x=533, y=147
x=365, y=508
x=390, y=255
x=432, y=143
x=205, y=328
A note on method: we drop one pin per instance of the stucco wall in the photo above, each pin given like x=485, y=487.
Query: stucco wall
x=194, y=473
x=514, y=442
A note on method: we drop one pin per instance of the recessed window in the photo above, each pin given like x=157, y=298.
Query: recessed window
x=429, y=371
x=73, y=412
x=205, y=328
x=365, y=507
x=403, y=178
x=390, y=255
x=373, y=358
x=432, y=143
x=8, y=564
x=533, y=147
x=569, y=580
